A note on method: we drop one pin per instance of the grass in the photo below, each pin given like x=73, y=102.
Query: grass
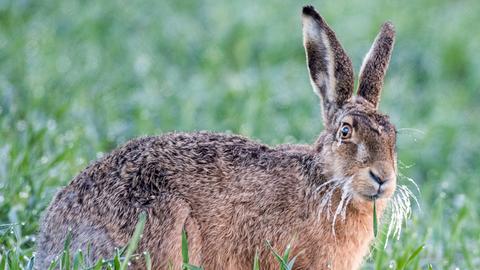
x=77, y=261
x=79, y=78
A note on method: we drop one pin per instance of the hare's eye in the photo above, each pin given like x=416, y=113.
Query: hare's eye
x=346, y=131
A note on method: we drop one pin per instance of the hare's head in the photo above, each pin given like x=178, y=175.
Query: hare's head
x=358, y=141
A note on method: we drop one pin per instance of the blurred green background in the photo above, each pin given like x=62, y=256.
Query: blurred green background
x=77, y=78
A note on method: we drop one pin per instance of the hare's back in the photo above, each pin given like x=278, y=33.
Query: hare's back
x=174, y=162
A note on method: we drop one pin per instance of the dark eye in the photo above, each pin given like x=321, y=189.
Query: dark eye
x=346, y=131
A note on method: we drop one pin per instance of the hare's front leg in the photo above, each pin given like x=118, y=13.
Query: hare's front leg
x=162, y=236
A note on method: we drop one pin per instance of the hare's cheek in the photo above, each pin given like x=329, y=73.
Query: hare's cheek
x=364, y=187
x=346, y=150
x=362, y=153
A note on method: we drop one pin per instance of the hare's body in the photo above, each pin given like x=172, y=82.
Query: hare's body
x=231, y=194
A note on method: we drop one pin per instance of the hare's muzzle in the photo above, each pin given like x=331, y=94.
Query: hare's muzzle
x=376, y=182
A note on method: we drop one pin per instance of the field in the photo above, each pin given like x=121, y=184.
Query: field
x=78, y=78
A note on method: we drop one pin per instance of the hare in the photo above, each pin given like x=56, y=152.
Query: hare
x=232, y=194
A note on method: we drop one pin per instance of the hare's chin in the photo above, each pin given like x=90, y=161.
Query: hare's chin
x=371, y=197
x=380, y=195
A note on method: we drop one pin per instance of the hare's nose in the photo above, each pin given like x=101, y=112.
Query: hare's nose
x=377, y=178
x=381, y=172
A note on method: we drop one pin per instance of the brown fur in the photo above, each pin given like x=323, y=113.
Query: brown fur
x=232, y=194
x=375, y=65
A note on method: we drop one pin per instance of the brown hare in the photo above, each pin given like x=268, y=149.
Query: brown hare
x=232, y=194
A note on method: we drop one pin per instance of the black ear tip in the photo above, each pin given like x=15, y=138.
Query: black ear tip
x=310, y=11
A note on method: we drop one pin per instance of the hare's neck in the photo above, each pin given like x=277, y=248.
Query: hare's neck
x=355, y=234
x=348, y=223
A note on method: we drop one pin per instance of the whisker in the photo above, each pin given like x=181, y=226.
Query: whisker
x=324, y=185
x=404, y=166
x=325, y=201
x=390, y=228
x=409, y=179
x=412, y=130
x=339, y=207
x=344, y=211
x=325, y=206
x=400, y=206
x=398, y=219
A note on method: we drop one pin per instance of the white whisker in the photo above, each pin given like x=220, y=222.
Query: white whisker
x=344, y=211
x=390, y=228
x=411, y=195
x=398, y=218
x=326, y=202
x=324, y=185
x=339, y=207
x=409, y=180
x=400, y=130
x=400, y=207
x=404, y=166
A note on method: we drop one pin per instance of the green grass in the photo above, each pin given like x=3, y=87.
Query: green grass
x=67, y=261
x=77, y=78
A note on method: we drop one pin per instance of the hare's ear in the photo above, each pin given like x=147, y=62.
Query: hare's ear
x=330, y=68
x=375, y=65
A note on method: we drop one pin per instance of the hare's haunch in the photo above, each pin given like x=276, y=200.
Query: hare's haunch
x=232, y=194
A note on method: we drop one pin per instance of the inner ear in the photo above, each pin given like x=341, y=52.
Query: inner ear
x=375, y=65
x=330, y=69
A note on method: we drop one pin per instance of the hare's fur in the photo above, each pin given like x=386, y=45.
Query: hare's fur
x=232, y=194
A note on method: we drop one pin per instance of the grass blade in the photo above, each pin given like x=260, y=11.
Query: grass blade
x=3, y=263
x=291, y=262
x=191, y=267
x=283, y=264
x=185, y=257
x=99, y=265
x=78, y=260
x=148, y=260
x=286, y=254
x=412, y=256
x=375, y=221
x=65, y=262
x=116, y=260
x=256, y=261
x=132, y=246
x=30, y=264
x=53, y=265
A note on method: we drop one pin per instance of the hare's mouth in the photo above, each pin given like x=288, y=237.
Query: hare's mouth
x=376, y=196
x=370, y=197
x=376, y=192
